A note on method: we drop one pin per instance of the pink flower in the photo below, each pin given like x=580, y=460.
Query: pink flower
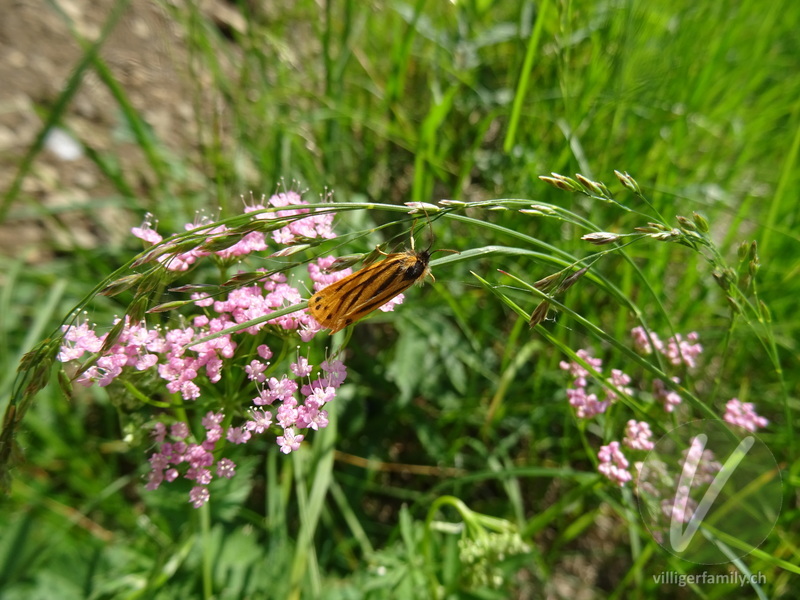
x=681, y=507
x=189, y=390
x=677, y=349
x=319, y=272
x=79, y=339
x=286, y=415
x=226, y=468
x=642, y=343
x=669, y=398
x=637, y=435
x=315, y=225
x=159, y=432
x=586, y=405
x=260, y=422
x=319, y=396
x=179, y=430
x=255, y=371
x=199, y=474
x=700, y=463
x=238, y=435
x=282, y=389
x=289, y=441
x=197, y=456
x=577, y=370
x=743, y=414
x=620, y=380
x=613, y=464
x=199, y=495
x=389, y=306
x=146, y=231
x=301, y=368
x=312, y=418
x=680, y=351
x=336, y=371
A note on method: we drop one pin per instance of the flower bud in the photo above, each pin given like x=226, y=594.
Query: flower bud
x=600, y=238
x=701, y=222
x=686, y=224
x=763, y=309
x=744, y=248
x=629, y=182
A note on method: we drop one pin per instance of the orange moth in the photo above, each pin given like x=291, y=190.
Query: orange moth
x=346, y=301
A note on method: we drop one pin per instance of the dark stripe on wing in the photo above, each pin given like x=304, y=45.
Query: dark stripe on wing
x=379, y=281
x=378, y=301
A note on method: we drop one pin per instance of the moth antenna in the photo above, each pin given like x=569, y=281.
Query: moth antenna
x=430, y=230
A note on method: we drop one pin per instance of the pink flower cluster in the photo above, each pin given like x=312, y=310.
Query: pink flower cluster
x=669, y=398
x=680, y=508
x=613, y=463
x=588, y=405
x=290, y=415
x=198, y=457
x=142, y=348
x=638, y=435
x=743, y=414
x=285, y=403
x=677, y=349
x=316, y=225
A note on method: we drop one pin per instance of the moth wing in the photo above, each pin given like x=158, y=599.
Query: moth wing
x=349, y=299
x=326, y=305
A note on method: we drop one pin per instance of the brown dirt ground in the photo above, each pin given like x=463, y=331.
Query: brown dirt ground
x=38, y=53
